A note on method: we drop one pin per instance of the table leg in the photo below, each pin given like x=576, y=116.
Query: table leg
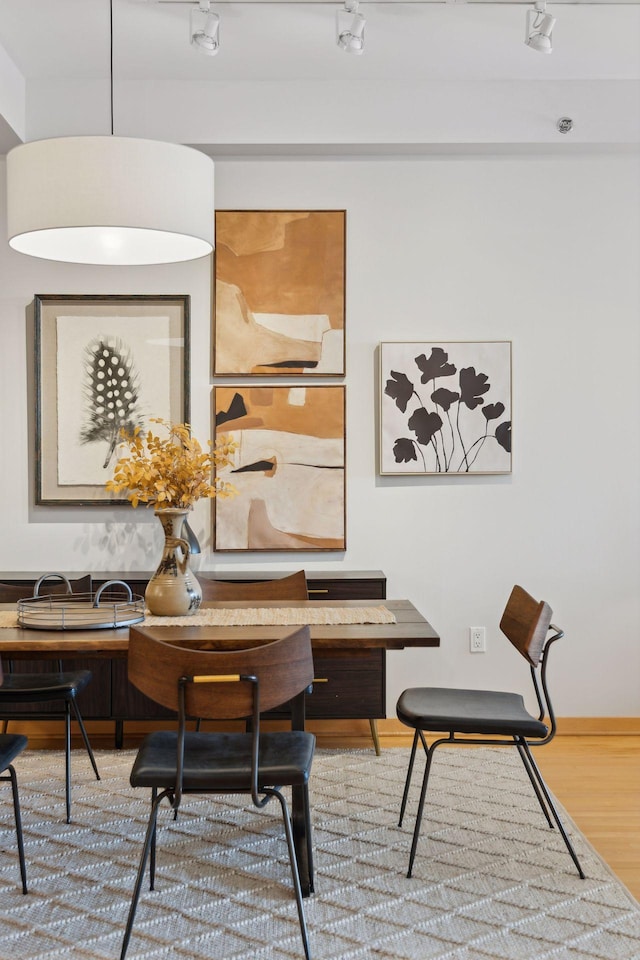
x=373, y=723
x=301, y=824
x=119, y=734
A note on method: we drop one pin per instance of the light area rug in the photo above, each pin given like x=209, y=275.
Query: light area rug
x=491, y=880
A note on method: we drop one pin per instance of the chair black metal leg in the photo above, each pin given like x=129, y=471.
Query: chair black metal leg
x=83, y=731
x=18, y=819
x=67, y=757
x=294, y=871
x=534, y=784
x=151, y=826
x=307, y=810
x=407, y=782
x=553, y=810
x=152, y=851
x=423, y=794
x=302, y=837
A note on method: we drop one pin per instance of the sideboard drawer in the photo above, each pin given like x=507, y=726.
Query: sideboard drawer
x=322, y=585
x=348, y=686
x=356, y=589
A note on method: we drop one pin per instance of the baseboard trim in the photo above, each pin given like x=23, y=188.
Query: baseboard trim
x=345, y=734
x=599, y=726
x=567, y=727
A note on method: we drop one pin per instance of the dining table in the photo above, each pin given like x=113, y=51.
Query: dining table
x=409, y=628
x=404, y=626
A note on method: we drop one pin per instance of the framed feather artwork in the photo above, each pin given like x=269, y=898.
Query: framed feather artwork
x=103, y=364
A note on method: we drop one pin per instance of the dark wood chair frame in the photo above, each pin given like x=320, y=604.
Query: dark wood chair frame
x=291, y=587
x=285, y=669
x=512, y=630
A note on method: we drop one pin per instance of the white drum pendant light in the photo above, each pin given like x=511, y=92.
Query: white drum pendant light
x=110, y=200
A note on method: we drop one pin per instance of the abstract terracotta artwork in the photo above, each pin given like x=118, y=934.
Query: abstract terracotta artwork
x=279, y=292
x=445, y=408
x=289, y=468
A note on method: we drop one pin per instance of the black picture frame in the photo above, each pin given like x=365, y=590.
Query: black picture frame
x=151, y=333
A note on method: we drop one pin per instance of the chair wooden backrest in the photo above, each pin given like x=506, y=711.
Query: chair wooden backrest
x=284, y=669
x=10, y=592
x=525, y=622
x=292, y=587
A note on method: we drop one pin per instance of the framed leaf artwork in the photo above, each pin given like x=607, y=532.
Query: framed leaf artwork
x=445, y=408
x=279, y=293
x=289, y=468
x=102, y=364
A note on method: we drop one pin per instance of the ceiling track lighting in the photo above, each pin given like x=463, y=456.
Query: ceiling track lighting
x=539, y=25
x=205, y=29
x=350, y=28
x=110, y=200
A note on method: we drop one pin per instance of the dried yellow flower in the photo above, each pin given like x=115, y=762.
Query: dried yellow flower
x=173, y=471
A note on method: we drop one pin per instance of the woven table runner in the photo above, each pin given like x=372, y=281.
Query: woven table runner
x=256, y=616
x=265, y=616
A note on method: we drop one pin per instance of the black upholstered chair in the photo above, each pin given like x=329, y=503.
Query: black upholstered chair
x=291, y=587
x=489, y=716
x=48, y=686
x=223, y=685
x=11, y=745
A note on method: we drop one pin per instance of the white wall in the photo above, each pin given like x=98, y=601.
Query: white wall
x=541, y=251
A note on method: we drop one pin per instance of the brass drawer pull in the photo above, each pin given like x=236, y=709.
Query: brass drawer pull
x=317, y=590
x=321, y=680
x=217, y=678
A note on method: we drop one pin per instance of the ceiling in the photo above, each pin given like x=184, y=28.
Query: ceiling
x=66, y=42
x=49, y=39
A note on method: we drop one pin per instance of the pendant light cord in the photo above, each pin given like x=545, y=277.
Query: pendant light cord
x=111, y=57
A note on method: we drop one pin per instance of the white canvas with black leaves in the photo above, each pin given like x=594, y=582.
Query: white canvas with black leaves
x=445, y=408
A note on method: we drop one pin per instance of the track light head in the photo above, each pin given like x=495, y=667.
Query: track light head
x=350, y=28
x=539, y=27
x=205, y=29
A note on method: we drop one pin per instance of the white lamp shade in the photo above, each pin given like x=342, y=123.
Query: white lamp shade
x=110, y=200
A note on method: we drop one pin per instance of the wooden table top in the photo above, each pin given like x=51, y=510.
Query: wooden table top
x=411, y=629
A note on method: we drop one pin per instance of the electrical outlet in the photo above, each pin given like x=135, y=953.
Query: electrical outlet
x=477, y=640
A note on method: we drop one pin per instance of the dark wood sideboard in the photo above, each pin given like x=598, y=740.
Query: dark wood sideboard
x=348, y=687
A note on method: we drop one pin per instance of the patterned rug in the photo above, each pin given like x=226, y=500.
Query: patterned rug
x=490, y=880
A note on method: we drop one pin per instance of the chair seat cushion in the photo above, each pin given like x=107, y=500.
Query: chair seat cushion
x=33, y=687
x=222, y=761
x=11, y=744
x=487, y=712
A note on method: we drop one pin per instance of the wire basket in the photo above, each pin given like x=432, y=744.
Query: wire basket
x=81, y=611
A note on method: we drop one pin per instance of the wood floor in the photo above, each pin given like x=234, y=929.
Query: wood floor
x=597, y=780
